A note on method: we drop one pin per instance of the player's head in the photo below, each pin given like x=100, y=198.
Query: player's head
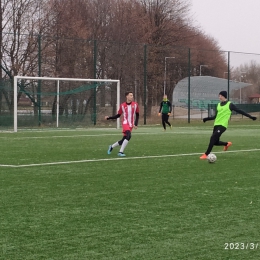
x=165, y=97
x=222, y=95
x=129, y=96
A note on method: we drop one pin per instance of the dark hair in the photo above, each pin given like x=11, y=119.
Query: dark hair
x=128, y=92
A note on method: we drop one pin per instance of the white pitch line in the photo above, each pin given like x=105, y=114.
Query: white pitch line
x=97, y=135
x=118, y=158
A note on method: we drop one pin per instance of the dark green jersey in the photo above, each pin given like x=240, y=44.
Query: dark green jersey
x=165, y=107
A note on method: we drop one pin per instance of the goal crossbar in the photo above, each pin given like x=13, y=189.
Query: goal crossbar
x=16, y=78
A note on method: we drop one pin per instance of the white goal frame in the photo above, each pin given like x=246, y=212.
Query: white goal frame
x=58, y=91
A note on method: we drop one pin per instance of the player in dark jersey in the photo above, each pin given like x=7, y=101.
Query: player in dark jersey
x=223, y=113
x=165, y=110
x=130, y=111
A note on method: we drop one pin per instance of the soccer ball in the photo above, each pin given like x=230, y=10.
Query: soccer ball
x=212, y=158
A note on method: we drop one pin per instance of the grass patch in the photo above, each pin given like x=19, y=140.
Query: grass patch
x=160, y=202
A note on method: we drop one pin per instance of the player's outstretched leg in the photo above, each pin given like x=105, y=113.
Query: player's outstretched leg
x=126, y=139
x=227, y=145
x=203, y=157
x=164, y=126
x=109, y=149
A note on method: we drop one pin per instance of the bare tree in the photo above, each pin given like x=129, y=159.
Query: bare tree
x=20, y=26
x=249, y=73
x=105, y=39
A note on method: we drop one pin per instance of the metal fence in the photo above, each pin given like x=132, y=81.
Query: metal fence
x=147, y=70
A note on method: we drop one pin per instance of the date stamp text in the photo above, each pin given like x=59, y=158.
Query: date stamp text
x=241, y=246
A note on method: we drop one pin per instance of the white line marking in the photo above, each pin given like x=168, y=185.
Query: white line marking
x=118, y=158
x=97, y=135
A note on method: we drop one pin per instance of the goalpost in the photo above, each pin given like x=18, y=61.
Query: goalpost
x=58, y=93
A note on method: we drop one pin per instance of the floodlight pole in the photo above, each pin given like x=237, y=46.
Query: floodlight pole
x=241, y=72
x=201, y=67
x=58, y=104
x=164, y=84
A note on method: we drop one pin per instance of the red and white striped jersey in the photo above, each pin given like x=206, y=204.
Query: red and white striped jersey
x=128, y=111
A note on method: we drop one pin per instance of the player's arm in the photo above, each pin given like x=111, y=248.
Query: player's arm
x=170, y=106
x=112, y=117
x=136, y=118
x=232, y=107
x=160, y=108
x=205, y=119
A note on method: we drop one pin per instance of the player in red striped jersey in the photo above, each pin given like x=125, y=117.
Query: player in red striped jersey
x=130, y=111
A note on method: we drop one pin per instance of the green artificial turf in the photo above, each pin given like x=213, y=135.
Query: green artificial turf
x=63, y=197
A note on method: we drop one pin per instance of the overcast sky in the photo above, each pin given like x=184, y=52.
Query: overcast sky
x=235, y=24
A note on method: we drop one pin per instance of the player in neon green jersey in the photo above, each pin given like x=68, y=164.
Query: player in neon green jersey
x=223, y=113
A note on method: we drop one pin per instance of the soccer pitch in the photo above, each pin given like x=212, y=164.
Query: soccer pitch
x=63, y=197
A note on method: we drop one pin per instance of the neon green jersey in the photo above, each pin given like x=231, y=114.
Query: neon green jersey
x=223, y=115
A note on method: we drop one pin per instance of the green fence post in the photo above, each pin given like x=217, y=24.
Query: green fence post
x=145, y=80
x=39, y=81
x=228, y=74
x=189, y=68
x=94, y=89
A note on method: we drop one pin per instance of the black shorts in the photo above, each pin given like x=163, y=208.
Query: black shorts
x=219, y=129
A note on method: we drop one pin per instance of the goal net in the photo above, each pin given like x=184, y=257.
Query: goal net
x=63, y=102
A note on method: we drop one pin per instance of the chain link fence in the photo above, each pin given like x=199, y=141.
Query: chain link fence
x=192, y=79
